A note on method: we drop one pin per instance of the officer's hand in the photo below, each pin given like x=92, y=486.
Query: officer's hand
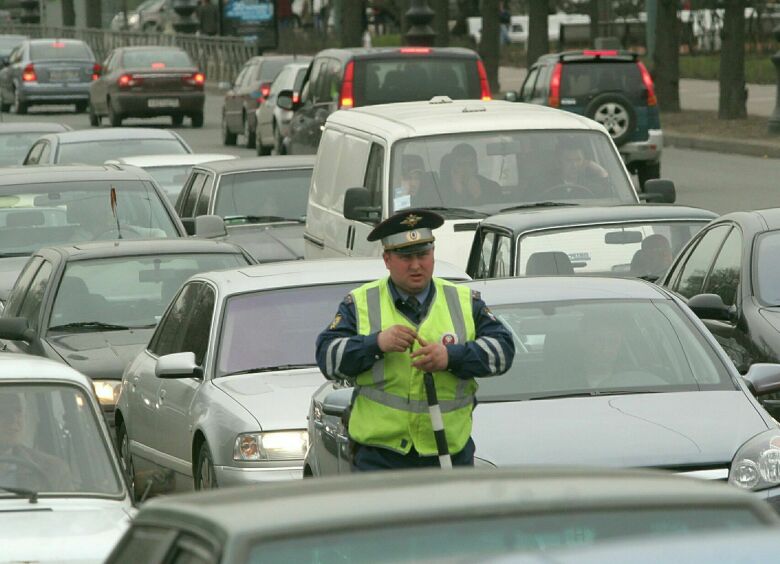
x=431, y=358
x=397, y=338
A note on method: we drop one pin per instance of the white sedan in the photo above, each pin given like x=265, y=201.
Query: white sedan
x=220, y=395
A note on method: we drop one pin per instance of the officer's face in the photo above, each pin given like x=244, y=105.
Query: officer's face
x=411, y=273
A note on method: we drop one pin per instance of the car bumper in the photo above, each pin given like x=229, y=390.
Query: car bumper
x=649, y=150
x=138, y=104
x=233, y=476
x=54, y=93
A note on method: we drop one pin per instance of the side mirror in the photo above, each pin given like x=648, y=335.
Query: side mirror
x=178, y=365
x=285, y=100
x=511, y=96
x=710, y=306
x=763, y=378
x=357, y=206
x=337, y=402
x=659, y=190
x=16, y=329
x=210, y=226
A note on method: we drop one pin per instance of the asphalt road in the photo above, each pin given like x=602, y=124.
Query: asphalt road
x=715, y=181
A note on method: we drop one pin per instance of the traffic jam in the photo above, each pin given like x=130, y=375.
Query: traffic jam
x=382, y=314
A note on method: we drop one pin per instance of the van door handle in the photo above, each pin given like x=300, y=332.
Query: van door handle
x=349, y=236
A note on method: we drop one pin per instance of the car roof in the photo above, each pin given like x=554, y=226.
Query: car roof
x=260, y=163
x=52, y=174
x=33, y=127
x=135, y=247
x=114, y=133
x=172, y=159
x=261, y=58
x=540, y=218
x=288, y=274
x=440, y=115
x=387, y=52
x=375, y=498
x=537, y=289
x=768, y=217
x=14, y=366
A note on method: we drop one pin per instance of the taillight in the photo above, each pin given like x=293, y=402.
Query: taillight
x=601, y=53
x=265, y=90
x=648, y=80
x=415, y=50
x=96, y=70
x=28, y=74
x=158, y=65
x=296, y=97
x=195, y=79
x=554, y=99
x=484, y=86
x=346, y=100
x=128, y=80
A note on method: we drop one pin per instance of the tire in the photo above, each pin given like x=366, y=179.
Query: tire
x=126, y=458
x=177, y=120
x=20, y=108
x=114, y=118
x=81, y=107
x=227, y=137
x=648, y=171
x=94, y=119
x=204, y=477
x=278, y=142
x=249, y=135
x=197, y=120
x=614, y=112
x=262, y=150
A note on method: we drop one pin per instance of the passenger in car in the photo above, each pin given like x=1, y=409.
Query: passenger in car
x=653, y=259
x=578, y=170
x=461, y=178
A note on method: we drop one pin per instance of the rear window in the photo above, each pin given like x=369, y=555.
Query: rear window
x=584, y=79
x=155, y=59
x=409, y=78
x=270, y=69
x=59, y=50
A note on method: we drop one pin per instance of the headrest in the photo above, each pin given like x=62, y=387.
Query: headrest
x=548, y=263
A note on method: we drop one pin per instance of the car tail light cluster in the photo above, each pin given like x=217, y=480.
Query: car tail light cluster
x=265, y=90
x=128, y=80
x=96, y=71
x=484, y=86
x=649, y=86
x=28, y=74
x=195, y=79
x=415, y=50
x=346, y=99
x=554, y=100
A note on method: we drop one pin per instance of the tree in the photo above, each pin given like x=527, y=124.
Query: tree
x=490, y=43
x=733, y=94
x=353, y=16
x=94, y=14
x=538, y=38
x=593, y=11
x=441, y=22
x=466, y=9
x=666, y=61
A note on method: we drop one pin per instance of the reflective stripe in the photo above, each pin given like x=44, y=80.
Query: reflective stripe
x=456, y=312
x=375, y=326
x=500, y=351
x=491, y=357
x=410, y=405
x=341, y=343
x=339, y=357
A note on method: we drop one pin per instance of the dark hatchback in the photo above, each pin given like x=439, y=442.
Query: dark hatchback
x=94, y=306
x=262, y=202
x=17, y=138
x=349, y=78
x=147, y=82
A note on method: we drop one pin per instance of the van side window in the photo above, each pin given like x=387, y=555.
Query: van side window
x=323, y=190
x=542, y=83
x=351, y=169
x=528, y=85
x=373, y=181
x=318, y=81
x=483, y=266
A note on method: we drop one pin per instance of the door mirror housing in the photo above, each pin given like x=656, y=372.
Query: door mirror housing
x=357, y=206
x=337, y=402
x=210, y=226
x=178, y=365
x=710, y=306
x=511, y=96
x=16, y=329
x=763, y=378
x=659, y=191
x=285, y=100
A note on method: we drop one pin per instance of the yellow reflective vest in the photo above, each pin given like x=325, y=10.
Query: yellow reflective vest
x=390, y=408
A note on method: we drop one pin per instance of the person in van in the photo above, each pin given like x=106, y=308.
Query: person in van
x=578, y=170
x=462, y=181
x=412, y=171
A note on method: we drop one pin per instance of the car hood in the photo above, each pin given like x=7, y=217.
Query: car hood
x=269, y=242
x=641, y=430
x=278, y=400
x=103, y=354
x=453, y=241
x=10, y=267
x=61, y=530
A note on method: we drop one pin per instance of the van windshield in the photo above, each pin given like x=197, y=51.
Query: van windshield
x=492, y=171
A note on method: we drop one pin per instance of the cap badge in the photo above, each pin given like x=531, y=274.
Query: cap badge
x=449, y=339
x=412, y=235
x=411, y=220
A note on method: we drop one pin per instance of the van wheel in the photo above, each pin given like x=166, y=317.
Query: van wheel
x=615, y=113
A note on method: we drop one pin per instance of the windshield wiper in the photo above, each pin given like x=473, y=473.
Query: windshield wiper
x=538, y=205
x=271, y=369
x=594, y=393
x=22, y=492
x=456, y=211
x=96, y=325
x=264, y=218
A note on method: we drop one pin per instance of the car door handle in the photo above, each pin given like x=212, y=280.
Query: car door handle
x=163, y=393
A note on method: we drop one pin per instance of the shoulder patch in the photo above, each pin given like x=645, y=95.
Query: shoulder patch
x=336, y=321
x=348, y=299
x=475, y=295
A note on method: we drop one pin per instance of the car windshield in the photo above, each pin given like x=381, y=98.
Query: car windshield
x=14, y=146
x=492, y=171
x=99, y=151
x=257, y=194
x=127, y=291
x=155, y=59
x=767, y=268
x=57, y=50
x=51, y=442
x=40, y=215
x=292, y=319
x=592, y=347
x=463, y=539
x=170, y=178
x=271, y=68
x=411, y=77
x=644, y=250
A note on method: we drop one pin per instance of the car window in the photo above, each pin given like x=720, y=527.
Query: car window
x=190, y=549
x=767, y=267
x=270, y=69
x=528, y=85
x=20, y=287
x=45, y=153
x=299, y=77
x=192, y=196
x=374, y=177
x=155, y=59
x=319, y=85
x=700, y=261
x=485, y=254
x=169, y=337
x=282, y=82
x=580, y=79
x=724, y=278
x=15, y=146
x=202, y=206
x=58, y=50
x=144, y=544
x=98, y=152
x=198, y=327
x=503, y=257
x=323, y=189
x=170, y=178
x=261, y=194
x=542, y=83
x=34, y=155
x=31, y=306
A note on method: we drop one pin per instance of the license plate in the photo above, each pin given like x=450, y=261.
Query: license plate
x=63, y=76
x=163, y=102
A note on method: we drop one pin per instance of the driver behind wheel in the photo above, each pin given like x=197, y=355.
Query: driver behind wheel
x=577, y=170
x=22, y=465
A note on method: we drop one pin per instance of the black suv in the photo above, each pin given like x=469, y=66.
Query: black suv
x=610, y=86
x=348, y=78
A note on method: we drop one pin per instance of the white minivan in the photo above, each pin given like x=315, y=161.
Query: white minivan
x=463, y=159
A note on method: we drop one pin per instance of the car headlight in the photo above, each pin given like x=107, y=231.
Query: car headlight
x=757, y=463
x=133, y=19
x=276, y=445
x=107, y=391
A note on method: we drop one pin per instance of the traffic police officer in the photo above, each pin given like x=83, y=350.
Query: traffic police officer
x=389, y=332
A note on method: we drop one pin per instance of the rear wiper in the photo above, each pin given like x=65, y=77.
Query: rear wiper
x=538, y=205
x=96, y=325
x=271, y=369
x=594, y=393
x=457, y=211
x=22, y=492
x=264, y=218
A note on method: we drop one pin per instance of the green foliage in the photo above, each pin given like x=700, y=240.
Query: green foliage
x=387, y=40
x=758, y=68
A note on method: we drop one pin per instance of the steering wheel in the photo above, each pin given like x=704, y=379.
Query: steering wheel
x=125, y=229
x=568, y=190
x=29, y=464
